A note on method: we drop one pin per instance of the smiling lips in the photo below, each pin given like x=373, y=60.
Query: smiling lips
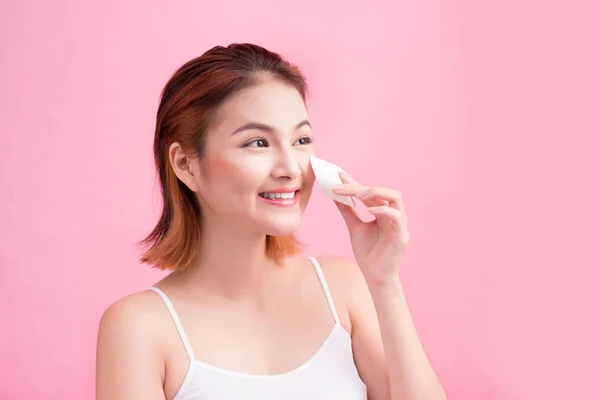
x=283, y=197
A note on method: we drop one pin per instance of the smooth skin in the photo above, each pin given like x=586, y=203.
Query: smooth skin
x=241, y=311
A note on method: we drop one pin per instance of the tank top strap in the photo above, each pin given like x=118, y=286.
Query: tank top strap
x=184, y=339
x=323, y=282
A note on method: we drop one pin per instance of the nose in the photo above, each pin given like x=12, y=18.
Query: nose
x=287, y=165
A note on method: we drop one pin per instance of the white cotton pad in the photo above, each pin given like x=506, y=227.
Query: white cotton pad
x=328, y=175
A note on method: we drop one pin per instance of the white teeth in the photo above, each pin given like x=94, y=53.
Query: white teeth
x=274, y=196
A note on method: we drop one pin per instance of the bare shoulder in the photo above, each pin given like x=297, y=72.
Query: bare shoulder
x=342, y=272
x=129, y=361
x=133, y=313
x=348, y=284
x=133, y=322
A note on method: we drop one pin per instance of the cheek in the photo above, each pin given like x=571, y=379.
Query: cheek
x=233, y=175
x=308, y=180
x=308, y=174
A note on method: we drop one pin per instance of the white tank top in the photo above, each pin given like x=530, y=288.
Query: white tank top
x=329, y=374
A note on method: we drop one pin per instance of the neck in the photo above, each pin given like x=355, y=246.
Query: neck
x=232, y=262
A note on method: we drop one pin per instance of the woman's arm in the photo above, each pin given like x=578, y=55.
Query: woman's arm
x=128, y=365
x=387, y=350
x=379, y=246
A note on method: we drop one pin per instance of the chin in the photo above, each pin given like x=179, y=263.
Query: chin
x=281, y=232
x=283, y=227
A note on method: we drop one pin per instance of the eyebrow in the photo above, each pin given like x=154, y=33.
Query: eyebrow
x=267, y=128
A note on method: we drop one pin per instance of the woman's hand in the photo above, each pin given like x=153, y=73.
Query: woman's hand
x=378, y=245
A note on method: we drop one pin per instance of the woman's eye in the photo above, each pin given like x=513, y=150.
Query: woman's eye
x=257, y=143
x=305, y=140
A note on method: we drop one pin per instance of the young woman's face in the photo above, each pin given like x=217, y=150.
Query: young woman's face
x=255, y=170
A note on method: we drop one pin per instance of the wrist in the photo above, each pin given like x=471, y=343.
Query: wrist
x=385, y=287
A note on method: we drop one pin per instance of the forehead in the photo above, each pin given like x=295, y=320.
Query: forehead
x=270, y=102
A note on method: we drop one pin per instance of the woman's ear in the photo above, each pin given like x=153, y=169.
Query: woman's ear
x=186, y=166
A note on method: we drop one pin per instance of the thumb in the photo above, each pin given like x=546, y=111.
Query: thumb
x=349, y=214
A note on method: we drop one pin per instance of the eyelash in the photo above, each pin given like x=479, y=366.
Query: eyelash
x=308, y=140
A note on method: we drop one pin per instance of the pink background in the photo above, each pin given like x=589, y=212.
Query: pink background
x=486, y=115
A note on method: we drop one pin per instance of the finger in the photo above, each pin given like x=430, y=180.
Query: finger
x=346, y=178
x=391, y=220
x=390, y=213
x=392, y=197
x=349, y=189
x=349, y=214
x=359, y=191
x=372, y=196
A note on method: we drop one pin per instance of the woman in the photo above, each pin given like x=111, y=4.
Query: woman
x=243, y=314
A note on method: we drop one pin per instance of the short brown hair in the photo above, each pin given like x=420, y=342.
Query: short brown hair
x=188, y=102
